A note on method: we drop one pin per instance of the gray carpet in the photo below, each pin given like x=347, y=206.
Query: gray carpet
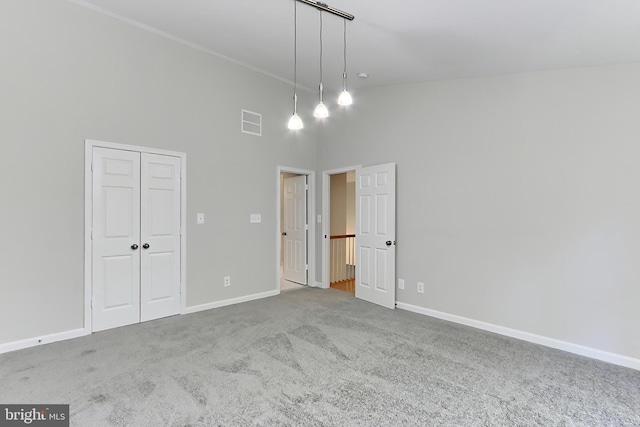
x=315, y=357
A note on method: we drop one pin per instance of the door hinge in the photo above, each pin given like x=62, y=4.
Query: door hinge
x=306, y=226
x=91, y=167
x=91, y=234
x=306, y=266
x=306, y=186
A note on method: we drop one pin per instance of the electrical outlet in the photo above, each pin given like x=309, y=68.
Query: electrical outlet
x=227, y=281
x=200, y=218
x=400, y=283
x=255, y=218
x=420, y=288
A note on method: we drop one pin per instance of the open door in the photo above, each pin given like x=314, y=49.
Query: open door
x=295, y=229
x=375, y=234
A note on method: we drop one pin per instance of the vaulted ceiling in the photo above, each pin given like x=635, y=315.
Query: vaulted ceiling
x=399, y=41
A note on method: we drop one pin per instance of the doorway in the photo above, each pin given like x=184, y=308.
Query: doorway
x=338, y=231
x=295, y=229
x=342, y=217
x=134, y=234
x=375, y=227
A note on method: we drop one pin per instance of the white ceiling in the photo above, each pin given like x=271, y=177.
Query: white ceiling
x=399, y=41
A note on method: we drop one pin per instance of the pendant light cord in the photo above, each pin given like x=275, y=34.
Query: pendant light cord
x=295, y=55
x=344, y=74
x=320, y=56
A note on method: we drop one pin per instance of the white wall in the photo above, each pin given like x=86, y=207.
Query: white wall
x=518, y=197
x=343, y=203
x=69, y=73
x=351, y=205
x=338, y=204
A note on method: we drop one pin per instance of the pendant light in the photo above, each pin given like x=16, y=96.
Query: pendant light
x=345, y=97
x=321, y=110
x=295, y=122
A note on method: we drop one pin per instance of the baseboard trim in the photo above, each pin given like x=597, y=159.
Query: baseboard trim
x=605, y=356
x=41, y=340
x=75, y=333
x=232, y=301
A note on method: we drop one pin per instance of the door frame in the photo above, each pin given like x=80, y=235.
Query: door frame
x=326, y=218
x=88, y=218
x=311, y=212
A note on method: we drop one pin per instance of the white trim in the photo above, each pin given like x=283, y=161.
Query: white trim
x=318, y=285
x=127, y=147
x=326, y=218
x=88, y=221
x=232, y=301
x=593, y=353
x=41, y=340
x=311, y=216
x=184, y=42
x=88, y=192
x=183, y=233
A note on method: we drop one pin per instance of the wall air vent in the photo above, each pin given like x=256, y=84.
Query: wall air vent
x=251, y=123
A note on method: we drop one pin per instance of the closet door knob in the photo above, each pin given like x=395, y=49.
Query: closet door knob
x=145, y=246
x=134, y=246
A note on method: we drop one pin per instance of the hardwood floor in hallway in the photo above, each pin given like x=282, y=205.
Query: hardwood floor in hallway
x=345, y=285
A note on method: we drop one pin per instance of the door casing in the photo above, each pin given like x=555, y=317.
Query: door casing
x=88, y=193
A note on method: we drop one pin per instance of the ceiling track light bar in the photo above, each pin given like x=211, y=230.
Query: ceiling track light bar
x=323, y=6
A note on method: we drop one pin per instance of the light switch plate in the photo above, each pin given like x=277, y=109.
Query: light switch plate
x=400, y=283
x=200, y=218
x=255, y=218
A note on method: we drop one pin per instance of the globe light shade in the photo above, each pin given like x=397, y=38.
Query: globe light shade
x=345, y=98
x=321, y=111
x=295, y=122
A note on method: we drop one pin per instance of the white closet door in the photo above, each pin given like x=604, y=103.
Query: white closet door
x=375, y=234
x=160, y=236
x=116, y=238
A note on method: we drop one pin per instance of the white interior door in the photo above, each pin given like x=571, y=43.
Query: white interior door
x=295, y=229
x=116, y=238
x=375, y=234
x=160, y=236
